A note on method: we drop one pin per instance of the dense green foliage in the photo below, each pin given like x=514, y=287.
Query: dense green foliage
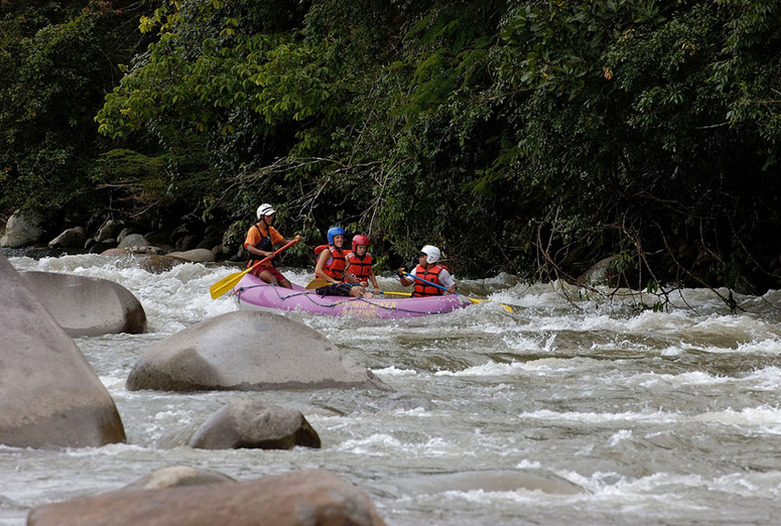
x=57, y=62
x=536, y=137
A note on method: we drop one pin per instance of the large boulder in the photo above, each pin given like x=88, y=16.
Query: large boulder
x=70, y=238
x=86, y=306
x=248, y=423
x=250, y=351
x=23, y=228
x=49, y=394
x=303, y=498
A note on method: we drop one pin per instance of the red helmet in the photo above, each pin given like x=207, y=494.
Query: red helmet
x=360, y=239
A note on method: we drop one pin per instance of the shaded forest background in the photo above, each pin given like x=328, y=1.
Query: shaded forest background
x=534, y=137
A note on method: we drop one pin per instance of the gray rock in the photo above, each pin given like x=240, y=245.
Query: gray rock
x=109, y=231
x=70, y=238
x=602, y=272
x=86, y=306
x=134, y=240
x=49, y=394
x=303, y=498
x=115, y=251
x=197, y=255
x=250, y=351
x=177, y=476
x=23, y=228
x=248, y=423
x=155, y=264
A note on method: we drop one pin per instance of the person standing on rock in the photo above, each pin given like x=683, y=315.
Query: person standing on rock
x=261, y=238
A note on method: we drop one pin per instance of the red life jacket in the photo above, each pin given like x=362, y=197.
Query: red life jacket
x=360, y=267
x=334, y=267
x=424, y=289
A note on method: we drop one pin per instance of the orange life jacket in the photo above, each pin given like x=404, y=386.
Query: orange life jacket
x=334, y=267
x=424, y=289
x=360, y=267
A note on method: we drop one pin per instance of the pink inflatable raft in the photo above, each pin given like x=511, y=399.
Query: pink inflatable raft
x=252, y=292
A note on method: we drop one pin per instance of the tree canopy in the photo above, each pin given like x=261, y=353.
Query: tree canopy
x=534, y=137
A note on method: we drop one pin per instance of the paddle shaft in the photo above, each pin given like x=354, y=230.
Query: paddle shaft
x=268, y=258
x=228, y=282
x=431, y=283
x=473, y=300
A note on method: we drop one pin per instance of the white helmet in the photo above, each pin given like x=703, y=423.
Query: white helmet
x=265, y=210
x=432, y=254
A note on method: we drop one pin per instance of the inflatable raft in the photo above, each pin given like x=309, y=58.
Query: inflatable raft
x=252, y=292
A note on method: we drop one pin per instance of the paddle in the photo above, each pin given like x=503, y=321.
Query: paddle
x=391, y=293
x=320, y=282
x=473, y=300
x=227, y=283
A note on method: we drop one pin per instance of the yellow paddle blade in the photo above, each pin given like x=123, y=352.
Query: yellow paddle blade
x=227, y=283
x=317, y=283
x=506, y=307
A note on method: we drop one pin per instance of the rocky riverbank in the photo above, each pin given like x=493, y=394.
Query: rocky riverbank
x=24, y=235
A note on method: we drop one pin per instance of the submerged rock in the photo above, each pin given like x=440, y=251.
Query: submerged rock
x=49, y=394
x=86, y=306
x=492, y=481
x=248, y=351
x=303, y=498
x=248, y=423
x=177, y=476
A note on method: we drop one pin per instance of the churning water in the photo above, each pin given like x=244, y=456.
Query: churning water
x=573, y=409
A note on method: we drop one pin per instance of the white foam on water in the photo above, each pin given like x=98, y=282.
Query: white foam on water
x=418, y=412
x=386, y=445
x=546, y=415
x=750, y=420
x=480, y=398
x=692, y=378
x=526, y=343
x=766, y=379
x=377, y=444
x=620, y=436
x=611, y=484
x=392, y=370
x=109, y=450
x=528, y=464
x=544, y=367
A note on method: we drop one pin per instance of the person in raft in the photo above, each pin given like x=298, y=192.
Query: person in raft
x=359, y=263
x=429, y=269
x=261, y=238
x=331, y=263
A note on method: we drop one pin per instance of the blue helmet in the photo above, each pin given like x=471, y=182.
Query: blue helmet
x=334, y=231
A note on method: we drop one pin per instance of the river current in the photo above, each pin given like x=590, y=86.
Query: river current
x=573, y=409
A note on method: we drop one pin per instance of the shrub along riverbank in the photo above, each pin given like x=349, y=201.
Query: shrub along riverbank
x=534, y=137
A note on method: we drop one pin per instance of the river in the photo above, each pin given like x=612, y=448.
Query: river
x=572, y=409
